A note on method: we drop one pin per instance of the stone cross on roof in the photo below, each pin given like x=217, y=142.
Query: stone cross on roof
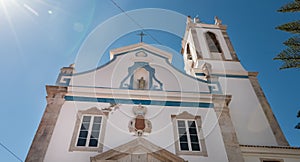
x=142, y=34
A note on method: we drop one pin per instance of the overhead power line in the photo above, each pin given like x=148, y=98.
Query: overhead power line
x=11, y=152
x=134, y=21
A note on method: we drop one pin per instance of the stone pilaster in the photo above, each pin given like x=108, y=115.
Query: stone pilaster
x=229, y=45
x=55, y=100
x=196, y=44
x=232, y=147
x=280, y=138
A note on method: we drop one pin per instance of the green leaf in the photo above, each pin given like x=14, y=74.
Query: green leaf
x=293, y=42
x=288, y=54
x=292, y=27
x=290, y=7
x=290, y=58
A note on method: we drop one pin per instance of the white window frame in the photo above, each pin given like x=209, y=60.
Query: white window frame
x=188, y=117
x=93, y=112
x=87, y=143
x=188, y=134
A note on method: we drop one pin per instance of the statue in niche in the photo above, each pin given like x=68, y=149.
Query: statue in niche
x=142, y=83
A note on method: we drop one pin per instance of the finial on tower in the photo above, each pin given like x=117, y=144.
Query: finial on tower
x=196, y=19
x=218, y=21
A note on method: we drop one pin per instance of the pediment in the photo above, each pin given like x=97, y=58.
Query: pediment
x=140, y=61
x=143, y=47
x=138, y=149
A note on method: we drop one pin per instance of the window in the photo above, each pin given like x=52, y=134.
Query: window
x=188, y=136
x=89, y=131
x=188, y=52
x=88, y=134
x=270, y=160
x=213, y=43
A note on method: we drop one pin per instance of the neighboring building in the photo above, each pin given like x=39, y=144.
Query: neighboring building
x=138, y=107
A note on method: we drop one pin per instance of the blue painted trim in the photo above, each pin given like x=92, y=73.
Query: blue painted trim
x=141, y=54
x=67, y=80
x=231, y=76
x=147, y=90
x=225, y=75
x=211, y=88
x=143, y=102
x=117, y=55
x=200, y=74
x=106, y=64
x=148, y=68
x=166, y=59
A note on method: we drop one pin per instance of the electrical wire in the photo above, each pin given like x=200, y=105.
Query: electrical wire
x=11, y=152
x=140, y=26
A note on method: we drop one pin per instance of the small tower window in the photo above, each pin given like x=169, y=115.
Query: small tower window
x=213, y=43
x=188, y=52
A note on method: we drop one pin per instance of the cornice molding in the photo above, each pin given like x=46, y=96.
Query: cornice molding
x=271, y=151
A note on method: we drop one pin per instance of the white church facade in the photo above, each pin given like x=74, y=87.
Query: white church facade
x=138, y=107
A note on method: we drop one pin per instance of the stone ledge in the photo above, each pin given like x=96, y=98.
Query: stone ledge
x=271, y=151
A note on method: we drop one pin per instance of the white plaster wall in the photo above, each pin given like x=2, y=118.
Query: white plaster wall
x=113, y=74
x=189, y=40
x=117, y=131
x=225, y=67
x=214, y=140
x=58, y=149
x=192, y=46
x=249, y=120
x=174, y=80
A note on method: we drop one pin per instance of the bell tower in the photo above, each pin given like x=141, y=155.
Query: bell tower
x=209, y=55
x=205, y=42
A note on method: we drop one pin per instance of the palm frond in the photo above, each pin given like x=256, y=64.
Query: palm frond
x=290, y=58
x=293, y=42
x=290, y=7
x=292, y=27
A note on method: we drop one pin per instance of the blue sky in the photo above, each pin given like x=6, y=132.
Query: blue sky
x=38, y=37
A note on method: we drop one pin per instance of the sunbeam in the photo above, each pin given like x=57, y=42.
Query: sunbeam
x=31, y=9
x=10, y=23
